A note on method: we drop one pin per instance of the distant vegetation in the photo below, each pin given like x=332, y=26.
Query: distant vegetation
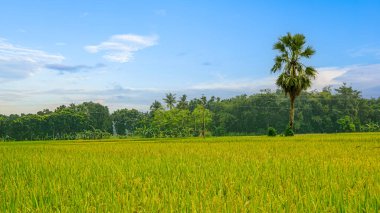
x=328, y=111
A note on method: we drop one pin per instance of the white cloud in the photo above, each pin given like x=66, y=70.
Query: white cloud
x=361, y=77
x=121, y=48
x=19, y=62
x=327, y=76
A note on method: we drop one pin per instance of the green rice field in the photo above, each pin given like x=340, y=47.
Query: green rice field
x=305, y=173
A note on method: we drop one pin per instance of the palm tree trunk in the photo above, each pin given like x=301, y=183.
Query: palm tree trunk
x=291, y=112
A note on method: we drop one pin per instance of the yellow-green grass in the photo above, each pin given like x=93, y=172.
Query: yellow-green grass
x=305, y=173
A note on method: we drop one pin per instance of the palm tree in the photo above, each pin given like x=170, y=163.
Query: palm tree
x=295, y=76
x=170, y=100
x=183, y=103
x=156, y=105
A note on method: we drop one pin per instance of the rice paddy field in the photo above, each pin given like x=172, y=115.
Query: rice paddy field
x=305, y=173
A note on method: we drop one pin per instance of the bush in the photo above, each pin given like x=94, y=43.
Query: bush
x=272, y=132
x=289, y=131
x=93, y=135
x=219, y=131
x=347, y=124
x=370, y=127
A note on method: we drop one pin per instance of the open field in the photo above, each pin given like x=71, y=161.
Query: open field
x=339, y=172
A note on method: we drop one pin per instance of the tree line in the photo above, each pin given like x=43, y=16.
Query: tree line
x=331, y=110
x=84, y=121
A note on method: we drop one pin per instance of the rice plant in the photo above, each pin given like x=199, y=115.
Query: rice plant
x=312, y=173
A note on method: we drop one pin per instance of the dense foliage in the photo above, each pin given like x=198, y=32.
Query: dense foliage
x=85, y=121
x=328, y=111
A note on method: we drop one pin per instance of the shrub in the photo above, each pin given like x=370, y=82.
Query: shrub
x=346, y=124
x=272, y=132
x=370, y=127
x=289, y=131
x=92, y=135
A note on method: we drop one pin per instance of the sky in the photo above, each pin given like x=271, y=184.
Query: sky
x=126, y=54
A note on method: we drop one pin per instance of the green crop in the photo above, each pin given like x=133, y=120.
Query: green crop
x=305, y=173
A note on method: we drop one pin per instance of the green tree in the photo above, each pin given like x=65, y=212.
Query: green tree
x=98, y=115
x=202, y=118
x=127, y=120
x=347, y=124
x=295, y=76
x=172, y=123
x=170, y=100
x=3, y=123
x=347, y=102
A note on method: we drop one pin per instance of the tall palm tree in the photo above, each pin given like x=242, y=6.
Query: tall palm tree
x=295, y=76
x=170, y=100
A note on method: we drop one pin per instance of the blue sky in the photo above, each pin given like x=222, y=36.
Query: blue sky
x=126, y=54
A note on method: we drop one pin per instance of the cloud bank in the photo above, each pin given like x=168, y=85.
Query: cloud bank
x=361, y=77
x=121, y=48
